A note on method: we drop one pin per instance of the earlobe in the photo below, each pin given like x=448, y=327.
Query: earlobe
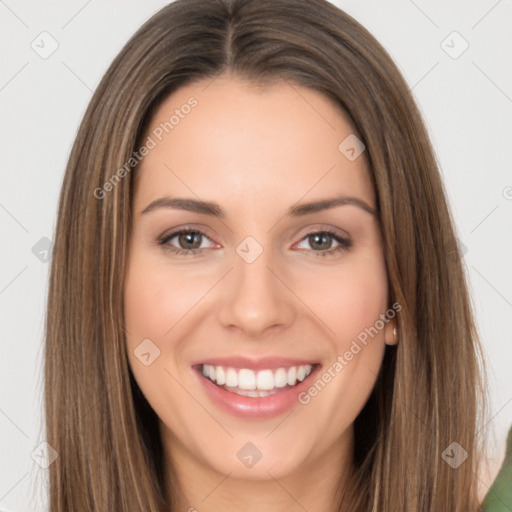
x=391, y=334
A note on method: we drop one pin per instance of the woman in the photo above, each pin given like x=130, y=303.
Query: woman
x=256, y=298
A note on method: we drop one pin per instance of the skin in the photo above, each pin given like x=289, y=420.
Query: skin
x=256, y=151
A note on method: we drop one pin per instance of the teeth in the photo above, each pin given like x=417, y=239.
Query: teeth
x=292, y=375
x=256, y=384
x=252, y=394
x=231, y=378
x=221, y=376
x=265, y=380
x=246, y=379
x=280, y=378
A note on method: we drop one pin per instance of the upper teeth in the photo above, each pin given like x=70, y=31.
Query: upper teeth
x=262, y=380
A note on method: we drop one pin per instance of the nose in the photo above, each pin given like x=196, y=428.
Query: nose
x=256, y=298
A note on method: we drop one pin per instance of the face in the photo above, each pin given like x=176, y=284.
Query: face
x=257, y=312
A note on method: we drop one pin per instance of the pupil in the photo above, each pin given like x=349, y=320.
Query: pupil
x=321, y=241
x=188, y=238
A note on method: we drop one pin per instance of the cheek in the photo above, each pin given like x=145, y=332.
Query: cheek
x=157, y=298
x=348, y=299
x=156, y=303
x=351, y=308
x=148, y=308
x=362, y=297
x=350, y=305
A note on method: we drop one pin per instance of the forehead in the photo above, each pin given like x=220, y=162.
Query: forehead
x=228, y=140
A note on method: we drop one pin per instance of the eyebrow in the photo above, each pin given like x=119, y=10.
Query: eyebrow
x=298, y=210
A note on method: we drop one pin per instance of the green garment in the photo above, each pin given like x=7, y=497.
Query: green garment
x=499, y=497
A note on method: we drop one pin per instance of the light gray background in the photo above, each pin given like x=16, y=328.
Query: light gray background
x=466, y=102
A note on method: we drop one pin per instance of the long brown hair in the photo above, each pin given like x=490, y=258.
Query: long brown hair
x=429, y=390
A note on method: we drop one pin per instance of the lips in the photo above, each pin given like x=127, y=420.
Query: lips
x=255, y=388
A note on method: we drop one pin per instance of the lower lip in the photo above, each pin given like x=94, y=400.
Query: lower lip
x=260, y=407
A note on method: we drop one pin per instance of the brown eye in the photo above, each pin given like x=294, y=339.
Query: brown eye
x=185, y=242
x=190, y=240
x=321, y=243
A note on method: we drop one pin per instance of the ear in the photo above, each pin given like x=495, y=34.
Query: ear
x=391, y=333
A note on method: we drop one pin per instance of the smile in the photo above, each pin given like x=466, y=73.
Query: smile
x=253, y=389
x=256, y=384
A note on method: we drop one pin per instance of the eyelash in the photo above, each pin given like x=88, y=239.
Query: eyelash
x=344, y=243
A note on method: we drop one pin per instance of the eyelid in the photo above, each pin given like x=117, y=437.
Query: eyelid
x=344, y=242
x=163, y=240
x=323, y=228
x=199, y=228
x=340, y=236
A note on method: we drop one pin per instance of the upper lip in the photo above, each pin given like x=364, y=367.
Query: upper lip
x=255, y=364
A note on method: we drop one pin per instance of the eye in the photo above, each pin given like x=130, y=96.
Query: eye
x=186, y=242
x=191, y=242
x=321, y=242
